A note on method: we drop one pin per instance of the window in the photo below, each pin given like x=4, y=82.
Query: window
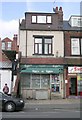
x=48, y=19
x=76, y=46
x=43, y=45
x=41, y=19
x=40, y=81
x=81, y=46
x=9, y=46
x=76, y=21
x=3, y=45
x=45, y=81
x=33, y=19
x=25, y=81
x=55, y=83
x=35, y=81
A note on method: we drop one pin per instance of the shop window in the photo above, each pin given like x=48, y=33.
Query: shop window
x=25, y=80
x=40, y=81
x=55, y=85
x=45, y=81
x=35, y=81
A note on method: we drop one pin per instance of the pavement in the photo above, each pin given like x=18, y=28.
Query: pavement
x=55, y=101
x=67, y=103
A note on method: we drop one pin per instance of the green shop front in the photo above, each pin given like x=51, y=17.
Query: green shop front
x=40, y=81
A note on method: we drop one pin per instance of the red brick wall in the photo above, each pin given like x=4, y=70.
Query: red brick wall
x=68, y=41
x=42, y=60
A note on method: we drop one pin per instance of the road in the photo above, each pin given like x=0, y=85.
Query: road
x=46, y=111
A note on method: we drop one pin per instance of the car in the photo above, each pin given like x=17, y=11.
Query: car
x=10, y=103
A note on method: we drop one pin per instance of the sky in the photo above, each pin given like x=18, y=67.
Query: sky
x=12, y=12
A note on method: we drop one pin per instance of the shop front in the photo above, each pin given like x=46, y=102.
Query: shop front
x=75, y=80
x=39, y=81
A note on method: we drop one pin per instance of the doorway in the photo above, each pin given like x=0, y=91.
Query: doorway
x=73, y=86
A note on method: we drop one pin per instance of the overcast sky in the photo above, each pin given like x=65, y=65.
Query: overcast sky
x=11, y=12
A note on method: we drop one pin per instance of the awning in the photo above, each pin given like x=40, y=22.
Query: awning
x=42, y=69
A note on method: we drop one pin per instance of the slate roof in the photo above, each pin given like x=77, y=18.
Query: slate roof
x=5, y=64
x=67, y=26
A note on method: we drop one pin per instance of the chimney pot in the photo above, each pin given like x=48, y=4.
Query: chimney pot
x=60, y=9
x=56, y=8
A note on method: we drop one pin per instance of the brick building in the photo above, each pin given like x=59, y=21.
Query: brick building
x=51, y=50
x=73, y=55
x=41, y=45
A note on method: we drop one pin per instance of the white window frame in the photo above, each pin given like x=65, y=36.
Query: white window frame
x=75, y=46
x=41, y=19
x=48, y=19
x=9, y=45
x=33, y=19
x=3, y=45
x=81, y=46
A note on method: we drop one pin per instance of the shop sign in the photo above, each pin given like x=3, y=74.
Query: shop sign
x=42, y=69
x=75, y=69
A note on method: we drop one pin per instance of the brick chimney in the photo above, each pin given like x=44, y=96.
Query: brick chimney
x=15, y=37
x=15, y=42
x=0, y=50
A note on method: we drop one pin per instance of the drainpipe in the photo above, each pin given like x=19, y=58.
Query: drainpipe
x=26, y=43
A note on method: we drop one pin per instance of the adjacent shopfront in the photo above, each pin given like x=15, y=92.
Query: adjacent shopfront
x=75, y=80
x=38, y=81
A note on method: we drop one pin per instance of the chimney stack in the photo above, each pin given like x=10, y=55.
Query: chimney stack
x=15, y=42
x=15, y=37
x=56, y=10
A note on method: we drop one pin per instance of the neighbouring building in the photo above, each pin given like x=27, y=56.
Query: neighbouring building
x=41, y=43
x=8, y=51
x=73, y=55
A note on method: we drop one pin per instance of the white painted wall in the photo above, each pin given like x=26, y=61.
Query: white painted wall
x=6, y=76
x=58, y=42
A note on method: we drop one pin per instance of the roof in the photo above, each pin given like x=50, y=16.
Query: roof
x=5, y=64
x=6, y=40
x=67, y=26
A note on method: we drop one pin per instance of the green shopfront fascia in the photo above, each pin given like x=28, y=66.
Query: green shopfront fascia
x=39, y=81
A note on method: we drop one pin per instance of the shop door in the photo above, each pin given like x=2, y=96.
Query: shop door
x=73, y=90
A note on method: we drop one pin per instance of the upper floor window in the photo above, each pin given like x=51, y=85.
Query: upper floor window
x=3, y=45
x=33, y=19
x=43, y=45
x=76, y=46
x=9, y=46
x=41, y=19
x=76, y=21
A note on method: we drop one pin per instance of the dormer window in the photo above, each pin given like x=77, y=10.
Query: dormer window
x=33, y=19
x=41, y=19
x=76, y=21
